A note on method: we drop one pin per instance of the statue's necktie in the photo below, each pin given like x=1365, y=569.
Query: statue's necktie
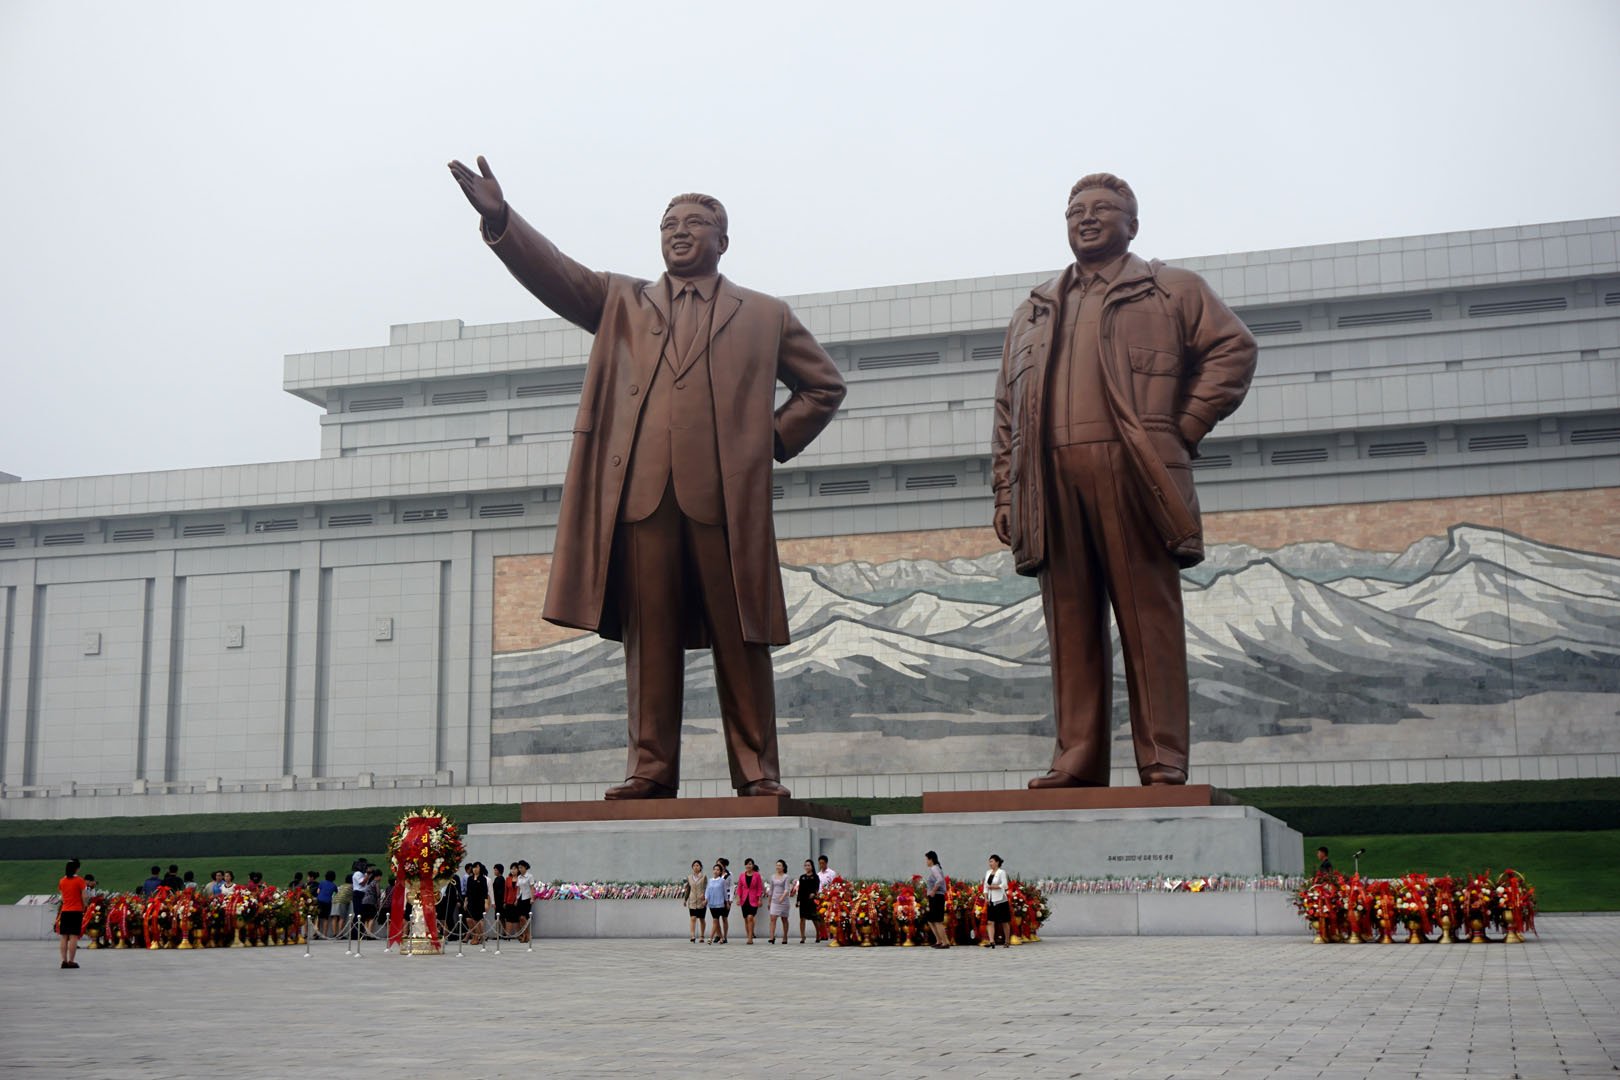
x=688, y=323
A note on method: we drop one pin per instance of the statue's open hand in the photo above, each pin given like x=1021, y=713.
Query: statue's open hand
x=482, y=190
x=1003, y=524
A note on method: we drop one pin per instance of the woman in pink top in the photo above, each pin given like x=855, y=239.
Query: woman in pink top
x=750, y=890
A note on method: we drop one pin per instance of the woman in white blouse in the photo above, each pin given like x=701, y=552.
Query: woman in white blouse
x=995, y=898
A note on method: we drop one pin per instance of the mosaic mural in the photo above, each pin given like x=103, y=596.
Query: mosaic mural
x=1479, y=641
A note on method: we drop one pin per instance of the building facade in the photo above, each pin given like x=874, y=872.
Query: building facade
x=1414, y=572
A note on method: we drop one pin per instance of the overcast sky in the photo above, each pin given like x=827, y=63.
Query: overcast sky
x=190, y=191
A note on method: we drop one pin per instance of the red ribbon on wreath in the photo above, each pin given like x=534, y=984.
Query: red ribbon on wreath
x=413, y=867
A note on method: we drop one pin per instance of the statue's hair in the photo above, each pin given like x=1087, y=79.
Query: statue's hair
x=1105, y=180
x=709, y=202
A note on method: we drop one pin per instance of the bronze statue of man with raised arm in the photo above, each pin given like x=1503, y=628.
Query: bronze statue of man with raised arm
x=664, y=538
x=1112, y=373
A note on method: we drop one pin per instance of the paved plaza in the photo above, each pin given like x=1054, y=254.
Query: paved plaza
x=1095, y=1007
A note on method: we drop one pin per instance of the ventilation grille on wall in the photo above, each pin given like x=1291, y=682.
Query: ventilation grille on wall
x=1581, y=436
x=844, y=487
x=216, y=528
x=1517, y=307
x=501, y=510
x=1385, y=318
x=900, y=360
x=8, y=541
x=460, y=397
x=1398, y=449
x=985, y=353
x=1611, y=298
x=1280, y=326
x=1303, y=456
x=378, y=404
x=428, y=513
x=778, y=492
x=275, y=525
x=62, y=539
x=551, y=389
x=1213, y=461
x=347, y=521
x=131, y=536
x=1498, y=442
x=924, y=483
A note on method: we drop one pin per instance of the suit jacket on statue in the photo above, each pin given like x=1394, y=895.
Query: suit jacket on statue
x=755, y=341
x=1175, y=362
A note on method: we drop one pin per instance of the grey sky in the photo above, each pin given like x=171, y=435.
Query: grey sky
x=190, y=191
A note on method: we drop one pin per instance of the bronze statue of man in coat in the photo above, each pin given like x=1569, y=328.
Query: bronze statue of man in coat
x=664, y=538
x=1112, y=373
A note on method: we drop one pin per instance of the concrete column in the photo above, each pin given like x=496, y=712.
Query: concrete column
x=303, y=663
x=20, y=577
x=163, y=678
x=455, y=671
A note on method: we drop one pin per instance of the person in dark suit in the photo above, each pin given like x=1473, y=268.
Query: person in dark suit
x=664, y=537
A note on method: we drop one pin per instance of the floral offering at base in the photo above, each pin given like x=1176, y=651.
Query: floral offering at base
x=425, y=847
x=1355, y=909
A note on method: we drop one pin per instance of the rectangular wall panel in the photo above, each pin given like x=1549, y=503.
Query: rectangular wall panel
x=382, y=703
x=87, y=699
x=231, y=707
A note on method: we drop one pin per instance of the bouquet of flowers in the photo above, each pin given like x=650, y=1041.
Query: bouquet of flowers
x=1322, y=905
x=425, y=843
x=1414, y=900
x=1514, y=906
x=833, y=903
x=1476, y=897
x=907, y=913
x=868, y=912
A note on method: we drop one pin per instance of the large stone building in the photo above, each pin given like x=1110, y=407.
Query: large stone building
x=1414, y=570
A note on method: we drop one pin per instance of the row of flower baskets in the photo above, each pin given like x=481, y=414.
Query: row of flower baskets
x=1357, y=909
x=188, y=919
x=894, y=913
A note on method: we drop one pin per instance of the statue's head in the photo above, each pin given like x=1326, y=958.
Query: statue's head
x=1102, y=218
x=693, y=235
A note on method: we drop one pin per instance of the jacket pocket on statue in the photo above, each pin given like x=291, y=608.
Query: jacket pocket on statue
x=1146, y=361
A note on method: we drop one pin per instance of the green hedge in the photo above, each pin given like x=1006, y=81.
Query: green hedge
x=1495, y=807
x=171, y=838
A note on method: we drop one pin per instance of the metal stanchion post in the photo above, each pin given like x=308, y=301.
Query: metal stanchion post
x=528, y=931
x=309, y=932
x=348, y=935
x=359, y=934
x=460, y=932
x=497, y=935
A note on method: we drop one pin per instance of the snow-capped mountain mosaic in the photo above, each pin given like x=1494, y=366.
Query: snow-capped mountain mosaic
x=941, y=665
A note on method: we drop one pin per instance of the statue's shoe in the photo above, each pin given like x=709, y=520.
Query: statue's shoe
x=1056, y=779
x=765, y=787
x=1163, y=774
x=637, y=788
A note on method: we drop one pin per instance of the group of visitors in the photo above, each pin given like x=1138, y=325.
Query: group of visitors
x=476, y=897
x=708, y=899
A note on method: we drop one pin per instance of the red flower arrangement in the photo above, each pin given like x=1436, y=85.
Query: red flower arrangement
x=1347, y=909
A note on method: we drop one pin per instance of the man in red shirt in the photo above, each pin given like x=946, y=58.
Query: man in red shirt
x=70, y=922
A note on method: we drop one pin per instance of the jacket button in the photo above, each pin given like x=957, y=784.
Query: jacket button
x=658, y=329
x=634, y=389
x=680, y=386
x=615, y=461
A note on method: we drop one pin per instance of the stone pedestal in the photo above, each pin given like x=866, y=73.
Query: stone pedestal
x=1127, y=841
x=657, y=839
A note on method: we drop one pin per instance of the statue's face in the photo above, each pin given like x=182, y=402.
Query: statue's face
x=1101, y=226
x=692, y=240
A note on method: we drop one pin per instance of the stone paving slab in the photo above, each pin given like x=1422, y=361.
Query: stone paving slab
x=1097, y=1007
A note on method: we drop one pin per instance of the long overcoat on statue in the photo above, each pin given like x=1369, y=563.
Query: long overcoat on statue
x=755, y=341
